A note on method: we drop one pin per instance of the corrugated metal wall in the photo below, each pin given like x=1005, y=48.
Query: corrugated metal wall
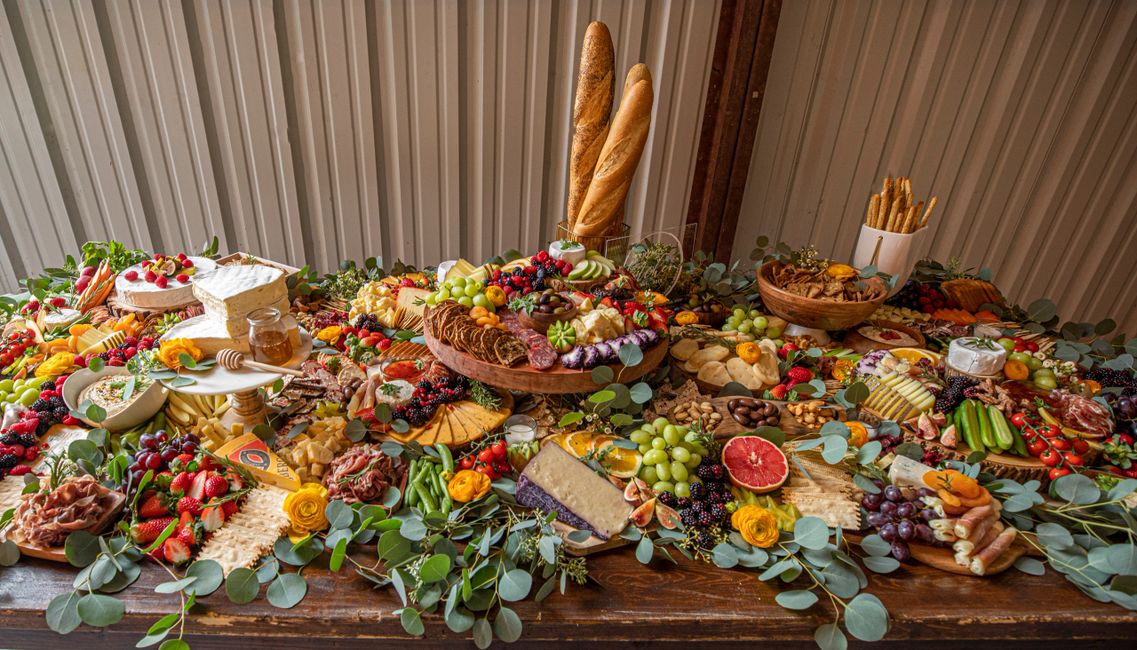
x=314, y=131
x=1018, y=114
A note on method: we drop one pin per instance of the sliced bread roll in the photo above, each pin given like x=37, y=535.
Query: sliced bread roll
x=617, y=163
x=595, y=88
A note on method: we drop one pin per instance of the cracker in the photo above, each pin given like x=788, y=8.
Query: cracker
x=251, y=532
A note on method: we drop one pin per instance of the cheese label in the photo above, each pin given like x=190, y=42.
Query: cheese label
x=252, y=452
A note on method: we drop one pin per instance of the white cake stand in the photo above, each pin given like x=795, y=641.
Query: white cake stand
x=244, y=384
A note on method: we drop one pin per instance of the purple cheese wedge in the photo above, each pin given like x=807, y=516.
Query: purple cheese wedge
x=556, y=481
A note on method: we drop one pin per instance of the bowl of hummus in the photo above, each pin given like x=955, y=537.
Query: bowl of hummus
x=108, y=388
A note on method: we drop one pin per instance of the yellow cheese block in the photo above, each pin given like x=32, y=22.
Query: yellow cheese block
x=253, y=453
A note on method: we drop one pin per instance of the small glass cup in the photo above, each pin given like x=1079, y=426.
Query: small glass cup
x=519, y=429
x=268, y=337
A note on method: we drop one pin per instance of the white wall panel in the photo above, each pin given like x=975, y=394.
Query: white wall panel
x=318, y=131
x=1019, y=115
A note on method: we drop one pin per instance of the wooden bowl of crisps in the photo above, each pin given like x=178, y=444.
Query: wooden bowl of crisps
x=827, y=315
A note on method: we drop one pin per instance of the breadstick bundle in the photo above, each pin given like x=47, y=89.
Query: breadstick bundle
x=605, y=152
x=894, y=208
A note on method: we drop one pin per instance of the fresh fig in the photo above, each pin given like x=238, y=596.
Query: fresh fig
x=666, y=517
x=642, y=515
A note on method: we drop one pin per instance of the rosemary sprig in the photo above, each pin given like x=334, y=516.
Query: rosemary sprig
x=484, y=396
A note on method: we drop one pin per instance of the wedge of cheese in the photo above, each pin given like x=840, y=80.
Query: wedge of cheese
x=266, y=466
x=212, y=336
x=230, y=293
x=554, y=480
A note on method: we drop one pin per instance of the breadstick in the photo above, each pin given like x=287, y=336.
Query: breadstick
x=916, y=221
x=874, y=208
x=928, y=214
x=890, y=225
x=885, y=203
x=909, y=220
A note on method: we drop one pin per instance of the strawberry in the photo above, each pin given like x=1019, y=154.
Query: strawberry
x=779, y=391
x=175, y=550
x=786, y=349
x=229, y=508
x=197, y=488
x=212, y=517
x=186, y=519
x=184, y=459
x=798, y=375
x=236, y=482
x=181, y=483
x=153, y=507
x=206, y=463
x=187, y=536
x=216, y=486
x=148, y=531
x=189, y=504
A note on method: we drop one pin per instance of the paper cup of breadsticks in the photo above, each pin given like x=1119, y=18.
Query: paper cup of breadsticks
x=894, y=226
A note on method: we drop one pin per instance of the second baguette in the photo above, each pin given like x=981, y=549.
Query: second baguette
x=618, y=161
x=595, y=89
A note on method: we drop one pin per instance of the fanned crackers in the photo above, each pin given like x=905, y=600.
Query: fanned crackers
x=11, y=487
x=822, y=490
x=251, y=532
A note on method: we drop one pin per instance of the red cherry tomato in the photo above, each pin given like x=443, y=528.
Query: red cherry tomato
x=1019, y=420
x=1061, y=444
x=1036, y=447
x=486, y=455
x=1081, y=446
x=1073, y=459
x=1050, y=458
x=1050, y=431
x=500, y=450
x=1058, y=472
x=467, y=462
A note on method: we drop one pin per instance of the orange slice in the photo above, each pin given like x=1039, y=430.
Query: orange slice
x=578, y=444
x=913, y=355
x=619, y=462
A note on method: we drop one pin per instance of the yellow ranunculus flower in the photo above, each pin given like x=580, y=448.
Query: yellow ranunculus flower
x=757, y=525
x=171, y=349
x=749, y=352
x=468, y=485
x=57, y=364
x=305, y=509
x=330, y=334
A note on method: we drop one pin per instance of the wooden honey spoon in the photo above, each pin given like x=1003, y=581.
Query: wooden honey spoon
x=234, y=360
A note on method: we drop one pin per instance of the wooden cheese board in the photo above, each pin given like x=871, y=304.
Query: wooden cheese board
x=56, y=553
x=943, y=557
x=458, y=423
x=862, y=344
x=589, y=546
x=556, y=380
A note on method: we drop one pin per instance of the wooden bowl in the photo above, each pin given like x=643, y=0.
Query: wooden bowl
x=811, y=312
x=541, y=322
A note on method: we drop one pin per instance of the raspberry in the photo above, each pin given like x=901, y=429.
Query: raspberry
x=161, y=282
x=183, y=278
x=151, y=276
x=131, y=276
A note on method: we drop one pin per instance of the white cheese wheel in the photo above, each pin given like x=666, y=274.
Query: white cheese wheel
x=141, y=294
x=976, y=356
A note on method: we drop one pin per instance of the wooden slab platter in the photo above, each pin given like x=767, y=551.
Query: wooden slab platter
x=56, y=553
x=589, y=546
x=556, y=380
x=1007, y=466
x=943, y=558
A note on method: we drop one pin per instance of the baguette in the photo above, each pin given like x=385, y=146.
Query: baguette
x=618, y=161
x=595, y=89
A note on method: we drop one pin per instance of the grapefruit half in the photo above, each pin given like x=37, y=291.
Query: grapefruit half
x=755, y=464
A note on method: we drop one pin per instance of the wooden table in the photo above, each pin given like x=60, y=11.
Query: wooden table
x=691, y=603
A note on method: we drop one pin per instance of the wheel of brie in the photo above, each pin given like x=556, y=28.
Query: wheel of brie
x=141, y=294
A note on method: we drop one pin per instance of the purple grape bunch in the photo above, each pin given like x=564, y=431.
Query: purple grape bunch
x=899, y=518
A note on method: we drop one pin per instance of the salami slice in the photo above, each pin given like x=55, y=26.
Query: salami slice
x=541, y=354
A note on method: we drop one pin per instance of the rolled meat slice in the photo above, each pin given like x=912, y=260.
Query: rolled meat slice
x=967, y=523
x=986, y=557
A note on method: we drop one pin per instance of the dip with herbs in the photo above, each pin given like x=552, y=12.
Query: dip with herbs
x=110, y=393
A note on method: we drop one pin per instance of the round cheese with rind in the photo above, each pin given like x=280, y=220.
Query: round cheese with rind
x=976, y=356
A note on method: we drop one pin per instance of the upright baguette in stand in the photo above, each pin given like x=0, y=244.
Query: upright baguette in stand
x=618, y=161
x=594, y=92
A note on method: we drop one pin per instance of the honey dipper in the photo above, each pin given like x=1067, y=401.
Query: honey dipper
x=234, y=360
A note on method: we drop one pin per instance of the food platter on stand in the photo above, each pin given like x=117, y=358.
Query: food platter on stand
x=556, y=380
x=248, y=404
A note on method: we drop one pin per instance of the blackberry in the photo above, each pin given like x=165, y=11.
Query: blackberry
x=698, y=491
x=40, y=405
x=718, y=471
x=668, y=499
x=705, y=540
x=1108, y=377
x=703, y=471
x=47, y=385
x=10, y=438
x=28, y=440
x=718, y=511
x=683, y=502
x=908, y=296
x=688, y=517
x=706, y=520
x=57, y=403
x=952, y=395
x=697, y=508
x=8, y=461
x=60, y=412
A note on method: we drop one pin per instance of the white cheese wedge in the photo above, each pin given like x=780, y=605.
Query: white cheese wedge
x=230, y=293
x=976, y=356
x=554, y=480
x=211, y=335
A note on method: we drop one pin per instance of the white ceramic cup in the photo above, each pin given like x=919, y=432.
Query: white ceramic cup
x=897, y=252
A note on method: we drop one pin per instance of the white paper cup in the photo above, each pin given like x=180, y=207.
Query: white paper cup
x=897, y=252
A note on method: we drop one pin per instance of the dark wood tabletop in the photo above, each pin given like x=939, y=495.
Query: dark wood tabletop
x=693, y=604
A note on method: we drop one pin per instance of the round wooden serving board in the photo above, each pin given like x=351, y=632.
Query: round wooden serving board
x=556, y=380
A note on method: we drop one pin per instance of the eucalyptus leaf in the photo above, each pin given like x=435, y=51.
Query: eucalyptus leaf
x=207, y=575
x=645, y=549
x=174, y=586
x=98, y=610
x=287, y=590
x=507, y=625
x=515, y=585
x=1030, y=565
x=483, y=634
x=81, y=548
x=339, y=514
x=725, y=556
x=866, y=618
x=796, y=599
x=830, y=637
x=242, y=586
x=63, y=614
x=875, y=546
x=1053, y=536
x=882, y=564
x=602, y=375
x=1077, y=488
x=435, y=568
x=579, y=536
x=412, y=621
x=9, y=553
